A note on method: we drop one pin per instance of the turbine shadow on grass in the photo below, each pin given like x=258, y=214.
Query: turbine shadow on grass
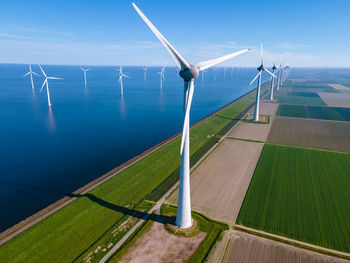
x=228, y=118
x=33, y=190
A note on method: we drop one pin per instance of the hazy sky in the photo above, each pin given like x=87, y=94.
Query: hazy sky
x=301, y=33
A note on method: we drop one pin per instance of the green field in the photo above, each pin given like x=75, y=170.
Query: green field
x=314, y=112
x=299, y=100
x=73, y=231
x=302, y=194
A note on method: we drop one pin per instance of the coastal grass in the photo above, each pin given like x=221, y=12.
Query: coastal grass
x=302, y=194
x=314, y=112
x=74, y=230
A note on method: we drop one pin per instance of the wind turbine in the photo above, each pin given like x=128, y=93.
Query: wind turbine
x=121, y=75
x=144, y=73
x=47, y=85
x=261, y=69
x=85, y=70
x=274, y=68
x=215, y=69
x=280, y=70
x=31, y=75
x=162, y=76
x=189, y=73
x=203, y=75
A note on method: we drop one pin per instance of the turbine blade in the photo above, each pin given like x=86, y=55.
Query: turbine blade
x=270, y=73
x=255, y=78
x=53, y=78
x=42, y=70
x=82, y=69
x=26, y=74
x=43, y=85
x=35, y=73
x=210, y=63
x=187, y=114
x=180, y=61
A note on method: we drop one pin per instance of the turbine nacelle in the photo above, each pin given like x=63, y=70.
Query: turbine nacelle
x=190, y=73
x=261, y=67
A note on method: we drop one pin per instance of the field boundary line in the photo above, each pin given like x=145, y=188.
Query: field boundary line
x=293, y=242
x=290, y=117
x=242, y=139
x=306, y=148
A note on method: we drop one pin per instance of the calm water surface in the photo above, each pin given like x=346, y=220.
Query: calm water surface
x=45, y=154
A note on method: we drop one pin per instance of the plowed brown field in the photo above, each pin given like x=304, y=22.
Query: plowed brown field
x=318, y=134
x=219, y=184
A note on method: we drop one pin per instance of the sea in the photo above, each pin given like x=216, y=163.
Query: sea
x=46, y=154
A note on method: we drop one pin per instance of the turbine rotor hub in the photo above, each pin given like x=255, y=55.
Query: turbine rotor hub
x=189, y=73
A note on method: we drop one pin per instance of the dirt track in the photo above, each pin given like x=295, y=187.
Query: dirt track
x=158, y=245
x=241, y=247
x=219, y=184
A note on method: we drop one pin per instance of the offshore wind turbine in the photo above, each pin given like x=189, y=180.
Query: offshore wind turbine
x=85, y=70
x=215, y=69
x=162, y=77
x=47, y=85
x=121, y=75
x=31, y=75
x=261, y=69
x=145, y=73
x=189, y=73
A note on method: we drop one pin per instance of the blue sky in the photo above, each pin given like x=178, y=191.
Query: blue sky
x=300, y=33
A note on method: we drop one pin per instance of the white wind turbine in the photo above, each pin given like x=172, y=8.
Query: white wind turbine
x=121, y=75
x=203, y=76
x=47, y=85
x=274, y=68
x=189, y=73
x=85, y=70
x=261, y=68
x=145, y=73
x=280, y=70
x=162, y=77
x=31, y=75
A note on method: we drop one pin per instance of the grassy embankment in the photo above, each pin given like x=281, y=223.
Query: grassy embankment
x=94, y=219
x=301, y=194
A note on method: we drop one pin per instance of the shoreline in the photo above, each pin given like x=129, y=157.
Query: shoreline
x=16, y=229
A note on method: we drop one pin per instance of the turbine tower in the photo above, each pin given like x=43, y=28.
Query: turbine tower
x=280, y=70
x=47, y=85
x=189, y=73
x=272, y=79
x=144, y=73
x=162, y=77
x=31, y=75
x=121, y=75
x=261, y=68
x=85, y=70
